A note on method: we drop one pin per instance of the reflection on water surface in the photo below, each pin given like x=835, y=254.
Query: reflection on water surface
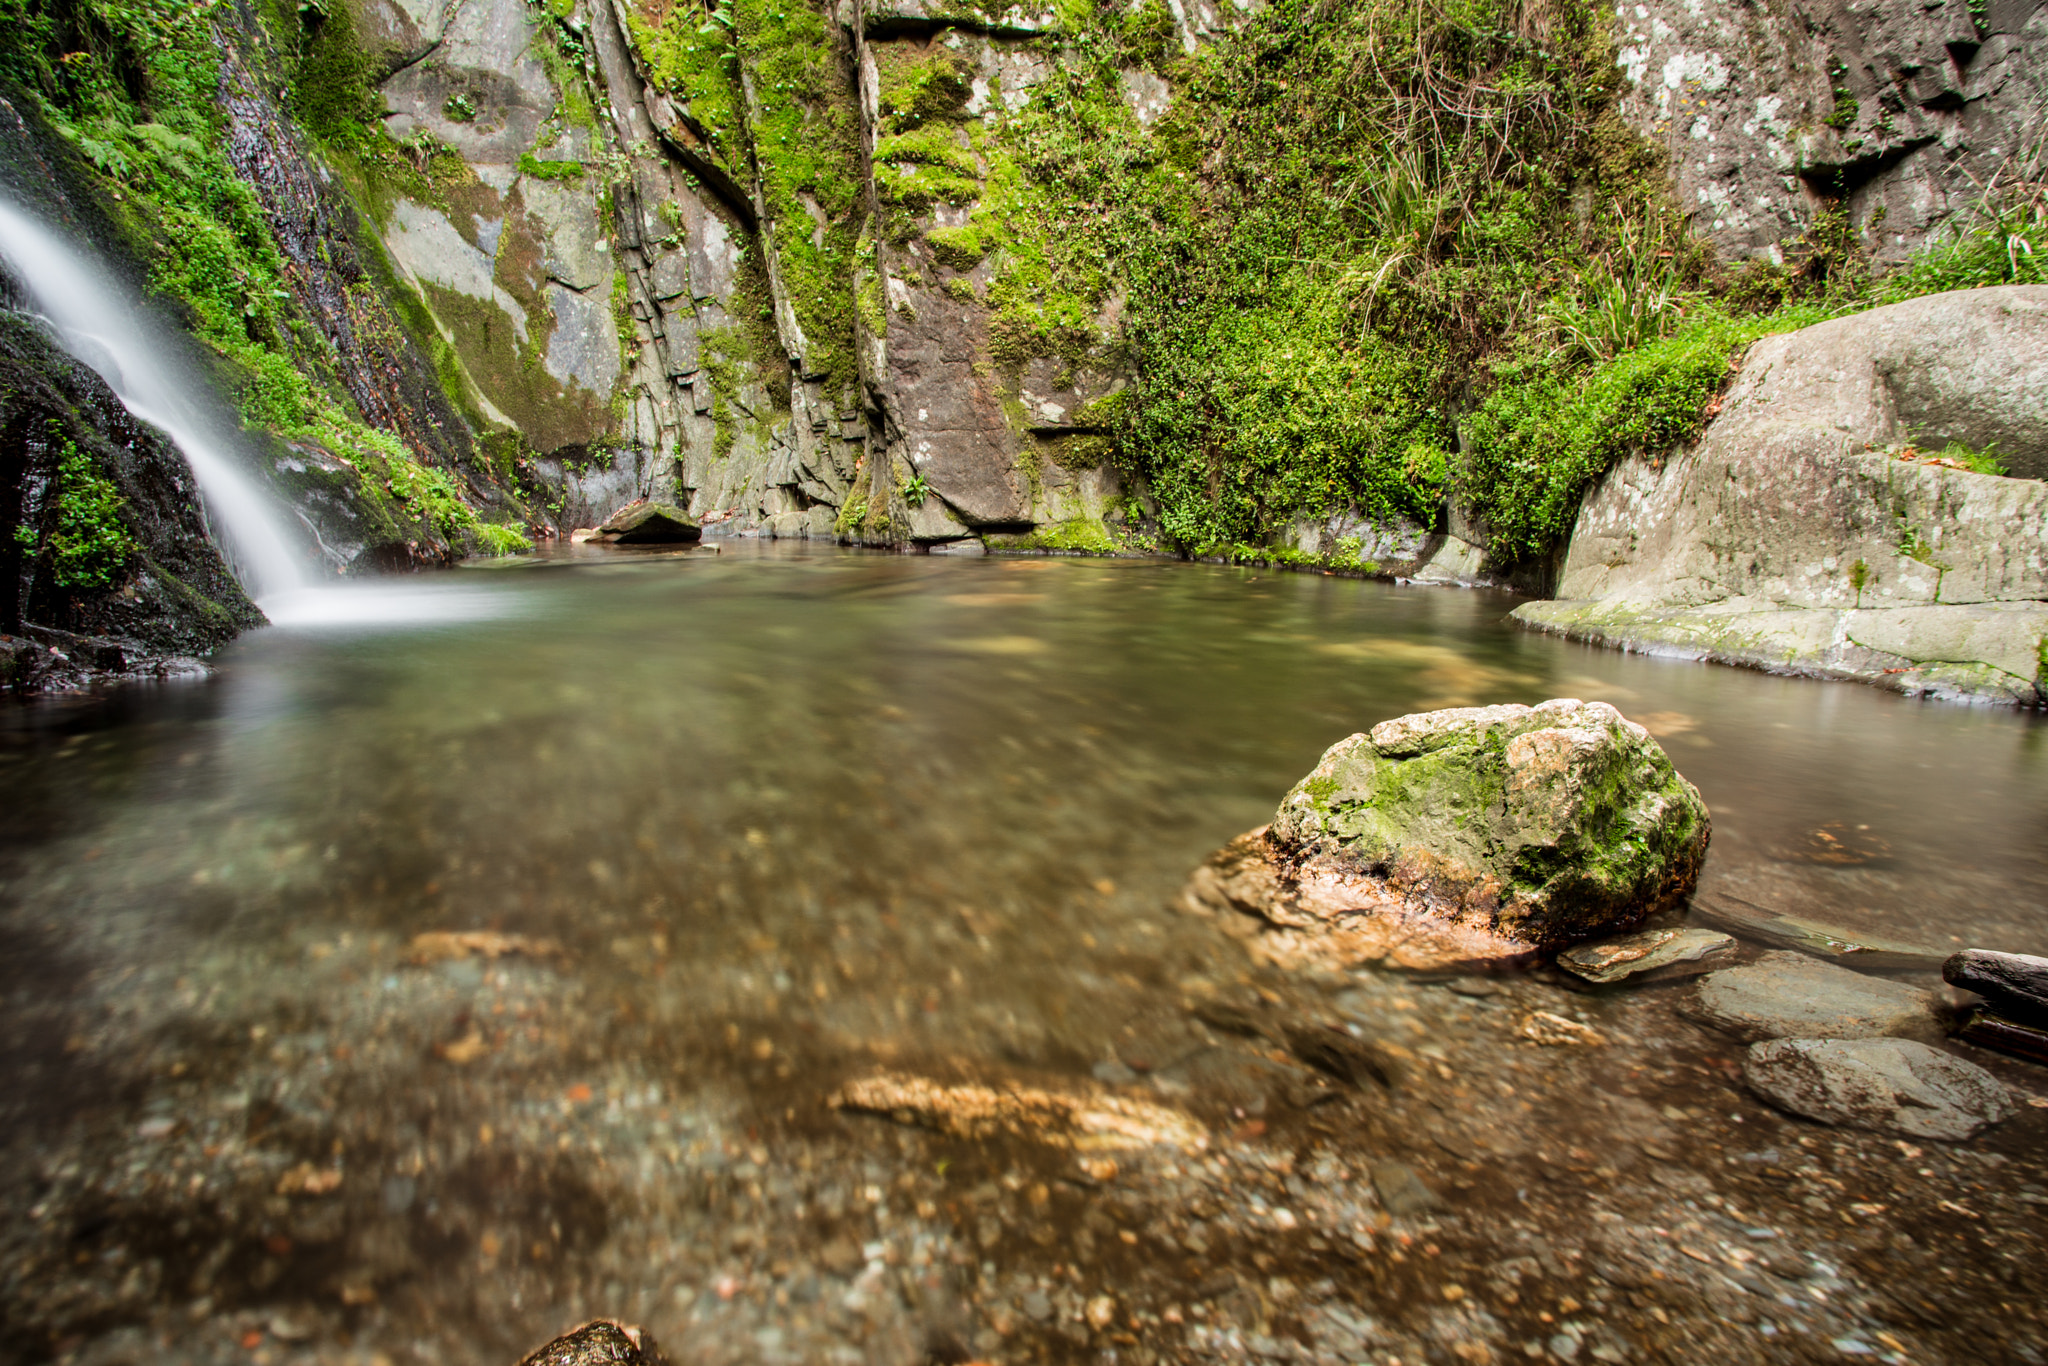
x=784, y=816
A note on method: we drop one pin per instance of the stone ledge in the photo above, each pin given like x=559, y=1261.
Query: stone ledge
x=1962, y=653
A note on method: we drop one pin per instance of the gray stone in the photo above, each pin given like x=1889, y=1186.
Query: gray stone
x=1890, y=1085
x=1791, y=537
x=1788, y=995
x=1401, y=1190
x=1635, y=955
x=2017, y=983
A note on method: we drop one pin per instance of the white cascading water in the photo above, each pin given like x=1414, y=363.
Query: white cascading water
x=130, y=350
x=127, y=348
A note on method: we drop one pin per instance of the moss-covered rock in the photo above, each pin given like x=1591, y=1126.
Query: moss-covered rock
x=1471, y=835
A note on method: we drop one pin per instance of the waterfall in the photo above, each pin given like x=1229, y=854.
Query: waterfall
x=134, y=354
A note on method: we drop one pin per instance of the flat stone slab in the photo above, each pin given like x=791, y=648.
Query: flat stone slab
x=1894, y=1086
x=1652, y=951
x=1791, y=996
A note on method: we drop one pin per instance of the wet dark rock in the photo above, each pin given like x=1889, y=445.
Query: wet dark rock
x=1988, y=1029
x=1663, y=953
x=600, y=1343
x=649, y=524
x=2015, y=983
x=1889, y=1085
x=1462, y=837
x=1788, y=995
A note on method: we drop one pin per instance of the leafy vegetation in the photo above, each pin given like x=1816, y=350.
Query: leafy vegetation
x=89, y=546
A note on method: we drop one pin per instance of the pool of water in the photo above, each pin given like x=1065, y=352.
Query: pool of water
x=741, y=817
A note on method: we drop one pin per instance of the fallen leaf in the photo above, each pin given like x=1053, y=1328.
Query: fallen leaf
x=464, y=1050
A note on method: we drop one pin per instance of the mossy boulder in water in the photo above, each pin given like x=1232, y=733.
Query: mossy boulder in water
x=1475, y=835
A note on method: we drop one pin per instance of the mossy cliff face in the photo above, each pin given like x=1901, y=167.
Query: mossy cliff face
x=1479, y=834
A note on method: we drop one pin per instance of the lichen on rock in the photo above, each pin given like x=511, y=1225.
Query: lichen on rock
x=1473, y=835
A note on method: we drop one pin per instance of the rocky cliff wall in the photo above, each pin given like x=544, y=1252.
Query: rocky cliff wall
x=1771, y=111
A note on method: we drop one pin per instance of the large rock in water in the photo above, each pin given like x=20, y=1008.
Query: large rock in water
x=1469, y=836
x=1793, y=537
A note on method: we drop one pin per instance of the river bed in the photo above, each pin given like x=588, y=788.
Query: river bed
x=734, y=830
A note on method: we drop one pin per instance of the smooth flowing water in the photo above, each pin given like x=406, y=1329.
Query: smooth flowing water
x=128, y=349
x=765, y=821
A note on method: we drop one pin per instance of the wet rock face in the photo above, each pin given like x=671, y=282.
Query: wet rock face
x=104, y=557
x=1471, y=835
x=1890, y=1085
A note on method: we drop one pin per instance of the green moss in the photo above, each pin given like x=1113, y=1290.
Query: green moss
x=549, y=170
x=1076, y=536
x=958, y=248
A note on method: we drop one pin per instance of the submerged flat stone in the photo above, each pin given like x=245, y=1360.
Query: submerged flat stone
x=1766, y=926
x=1792, y=996
x=1891, y=1085
x=1474, y=835
x=1635, y=955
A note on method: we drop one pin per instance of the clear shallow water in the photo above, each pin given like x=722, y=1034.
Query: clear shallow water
x=781, y=812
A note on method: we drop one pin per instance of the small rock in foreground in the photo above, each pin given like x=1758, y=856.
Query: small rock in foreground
x=1791, y=996
x=2016, y=983
x=1634, y=955
x=1401, y=1190
x=1469, y=836
x=649, y=524
x=599, y=1343
x=1890, y=1085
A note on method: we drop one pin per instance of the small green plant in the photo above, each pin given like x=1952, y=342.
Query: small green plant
x=916, y=489
x=90, y=545
x=506, y=538
x=1859, y=574
x=459, y=108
